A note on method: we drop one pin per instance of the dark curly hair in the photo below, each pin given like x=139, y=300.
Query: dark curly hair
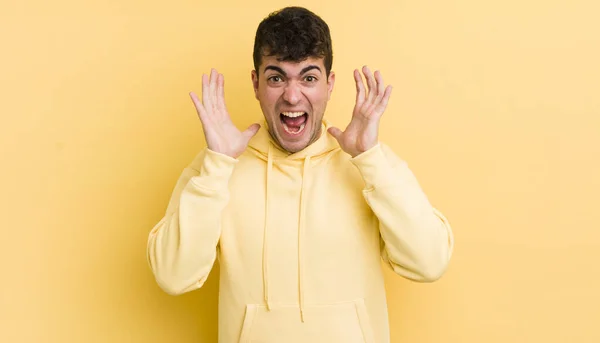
x=293, y=34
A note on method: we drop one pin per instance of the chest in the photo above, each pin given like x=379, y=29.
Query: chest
x=321, y=206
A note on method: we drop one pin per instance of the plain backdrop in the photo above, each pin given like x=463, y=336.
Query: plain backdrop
x=496, y=108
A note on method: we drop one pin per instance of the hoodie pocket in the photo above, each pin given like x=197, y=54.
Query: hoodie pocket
x=346, y=322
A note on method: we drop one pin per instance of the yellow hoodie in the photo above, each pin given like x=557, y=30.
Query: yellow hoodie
x=299, y=238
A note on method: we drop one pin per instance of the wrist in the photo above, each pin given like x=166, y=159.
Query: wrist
x=363, y=149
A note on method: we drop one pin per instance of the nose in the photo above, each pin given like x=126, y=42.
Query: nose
x=292, y=94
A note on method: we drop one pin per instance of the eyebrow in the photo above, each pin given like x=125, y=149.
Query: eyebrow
x=304, y=70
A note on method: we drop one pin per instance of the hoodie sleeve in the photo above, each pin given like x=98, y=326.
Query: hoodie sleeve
x=416, y=239
x=182, y=246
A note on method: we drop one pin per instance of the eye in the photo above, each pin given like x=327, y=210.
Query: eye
x=274, y=78
x=311, y=78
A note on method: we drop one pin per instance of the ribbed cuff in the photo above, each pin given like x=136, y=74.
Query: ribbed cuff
x=216, y=170
x=373, y=166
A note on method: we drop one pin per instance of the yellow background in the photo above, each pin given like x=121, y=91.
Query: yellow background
x=495, y=107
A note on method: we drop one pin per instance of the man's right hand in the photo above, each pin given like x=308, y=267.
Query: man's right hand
x=221, y=134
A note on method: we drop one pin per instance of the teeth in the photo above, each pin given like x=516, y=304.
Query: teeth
x=293, y=114
x=287, y=129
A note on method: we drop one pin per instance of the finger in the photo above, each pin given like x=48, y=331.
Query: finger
x=384, y=100
x=335, y=132
x=213, y=86
x=199, y=107
x=221, y=92
x=205, y=92
x=360, y=88
x=380, y=85
x=370, y=82
x=251, y=131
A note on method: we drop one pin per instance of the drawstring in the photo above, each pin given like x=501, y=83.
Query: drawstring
x=266, y=240
x=301, y=224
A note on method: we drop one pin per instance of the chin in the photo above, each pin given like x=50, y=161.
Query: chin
x=294, y=147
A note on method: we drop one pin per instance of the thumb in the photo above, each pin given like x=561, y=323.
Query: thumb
x=335, y=132
x=251, y=131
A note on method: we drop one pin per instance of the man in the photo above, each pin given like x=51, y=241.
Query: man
x=299, y=213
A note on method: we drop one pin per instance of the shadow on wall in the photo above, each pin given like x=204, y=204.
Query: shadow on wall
x=115, y=298
x=192, y=317
x=187, y=318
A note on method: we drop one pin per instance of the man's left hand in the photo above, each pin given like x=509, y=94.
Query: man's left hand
x=363, y=130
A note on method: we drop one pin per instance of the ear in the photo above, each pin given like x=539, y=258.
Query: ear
x=330, y=83
x=255, y=83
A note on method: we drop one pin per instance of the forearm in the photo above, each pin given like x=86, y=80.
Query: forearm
x=182, y=247
x=417, y=240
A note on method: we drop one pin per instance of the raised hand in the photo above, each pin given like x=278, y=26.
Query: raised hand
x=219, y=131
x=362, y=132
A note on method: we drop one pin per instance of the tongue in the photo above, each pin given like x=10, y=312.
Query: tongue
x=294, y=123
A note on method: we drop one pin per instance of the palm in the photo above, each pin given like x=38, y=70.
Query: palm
x=221, y=134
x=362, y=132
x=356, y=136
x=224, y=136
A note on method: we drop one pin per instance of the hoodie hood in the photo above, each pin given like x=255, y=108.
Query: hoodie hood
x=267, y=149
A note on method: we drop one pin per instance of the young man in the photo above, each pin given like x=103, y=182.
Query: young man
x=299, y=213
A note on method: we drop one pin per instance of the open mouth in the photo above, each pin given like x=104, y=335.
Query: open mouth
x=294, y=122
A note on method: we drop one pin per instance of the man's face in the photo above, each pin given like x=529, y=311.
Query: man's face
x=293, y=97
